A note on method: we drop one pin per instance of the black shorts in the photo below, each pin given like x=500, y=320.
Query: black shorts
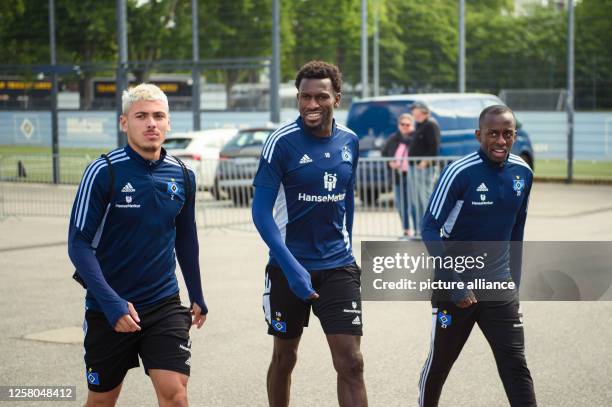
x=338, y=306
x=163, y=343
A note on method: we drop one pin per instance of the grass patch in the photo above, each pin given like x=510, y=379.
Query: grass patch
x=38, y=165
x=583, y=169
x=34, y=164
x=7, y=150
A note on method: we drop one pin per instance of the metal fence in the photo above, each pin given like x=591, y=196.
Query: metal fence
x=388, y=201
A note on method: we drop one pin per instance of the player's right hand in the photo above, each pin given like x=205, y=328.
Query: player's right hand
x=128, y=322
x=313, y=296
x=468, y=300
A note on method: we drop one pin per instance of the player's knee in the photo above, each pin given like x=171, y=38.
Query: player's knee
x=101, y=399
x=349, y=366
x=176, y=397
x=284, y=360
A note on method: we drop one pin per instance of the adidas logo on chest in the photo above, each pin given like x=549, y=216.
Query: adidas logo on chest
x=128, y=188
x=305, y=159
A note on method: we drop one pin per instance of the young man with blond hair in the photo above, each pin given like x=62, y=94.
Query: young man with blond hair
x=133, y=210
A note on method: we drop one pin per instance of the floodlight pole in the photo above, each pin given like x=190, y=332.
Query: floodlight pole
x=54, y=118
x=570, y=91
x=461, y=59
x=195, y=71
x=121, y=80
x=364, y=48
x=375, y=54
x=275, y=64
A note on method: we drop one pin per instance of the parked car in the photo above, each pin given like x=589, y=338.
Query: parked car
x=375, y=119
x=200, y=150
x=238, y=162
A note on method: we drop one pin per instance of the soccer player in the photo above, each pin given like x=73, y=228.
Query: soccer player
x=481, y=197
x=129, y=216
x=307, y=175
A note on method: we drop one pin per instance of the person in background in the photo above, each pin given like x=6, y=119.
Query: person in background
x=425, y=143
x=398, y=146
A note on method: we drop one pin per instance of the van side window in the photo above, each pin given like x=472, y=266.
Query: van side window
x=469, y=107
x=444, y=107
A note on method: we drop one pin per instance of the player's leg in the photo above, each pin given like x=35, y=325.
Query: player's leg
x=108, y=357
x=165, y=349
x=451, y=326
x=286, y=316
x=348, y=362
x=502, y=324
x=278, y=381
x=170, y=387
x=105, y=399
x=339, y=310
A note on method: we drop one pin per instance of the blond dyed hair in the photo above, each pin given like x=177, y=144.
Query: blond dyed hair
x=144, y=91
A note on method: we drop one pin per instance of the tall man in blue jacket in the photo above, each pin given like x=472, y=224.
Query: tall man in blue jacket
x=127, y=221
x=307, y=176
x=479, y=198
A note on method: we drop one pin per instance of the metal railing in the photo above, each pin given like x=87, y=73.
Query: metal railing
x=27, y=189
x=388, y=201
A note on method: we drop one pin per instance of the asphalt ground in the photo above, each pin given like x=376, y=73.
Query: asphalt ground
x=568, y=344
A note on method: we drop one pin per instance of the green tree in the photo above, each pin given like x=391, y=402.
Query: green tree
x=24, y=32
x=328, y=30
x=240, y=28
x=86, y=36
x=158, y=30
x=593, y=54
x=430, y=35
x=514, y=51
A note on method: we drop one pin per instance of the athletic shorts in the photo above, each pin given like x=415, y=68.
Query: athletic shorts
x=162, y=343
x=338, y=306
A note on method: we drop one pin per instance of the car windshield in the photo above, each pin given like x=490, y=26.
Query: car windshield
x=376, y=118
x=176, y=143
x=215, y=140
x=247, y=138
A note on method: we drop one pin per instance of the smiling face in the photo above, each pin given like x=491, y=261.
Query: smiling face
x=146, y=124
x=316, y=103
x=496, y=135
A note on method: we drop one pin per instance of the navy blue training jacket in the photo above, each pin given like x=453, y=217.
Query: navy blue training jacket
x=125, y=250
x=477, y=200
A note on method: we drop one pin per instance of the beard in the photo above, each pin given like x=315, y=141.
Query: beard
x=323, y=123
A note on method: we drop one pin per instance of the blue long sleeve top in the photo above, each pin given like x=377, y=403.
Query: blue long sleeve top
x=477, y=200
x=124, y=250
x=303, y=205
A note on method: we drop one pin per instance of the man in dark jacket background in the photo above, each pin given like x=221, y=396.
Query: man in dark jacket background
x=425, y=143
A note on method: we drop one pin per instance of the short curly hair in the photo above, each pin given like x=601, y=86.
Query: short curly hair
x=320, y=70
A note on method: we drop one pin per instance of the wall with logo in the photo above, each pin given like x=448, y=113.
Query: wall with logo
x=548, y=130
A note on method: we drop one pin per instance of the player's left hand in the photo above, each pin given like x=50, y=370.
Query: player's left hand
x=198, y=318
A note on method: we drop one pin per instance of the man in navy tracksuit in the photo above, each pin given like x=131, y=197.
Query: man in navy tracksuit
x=479, y=198
x=127, y=221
